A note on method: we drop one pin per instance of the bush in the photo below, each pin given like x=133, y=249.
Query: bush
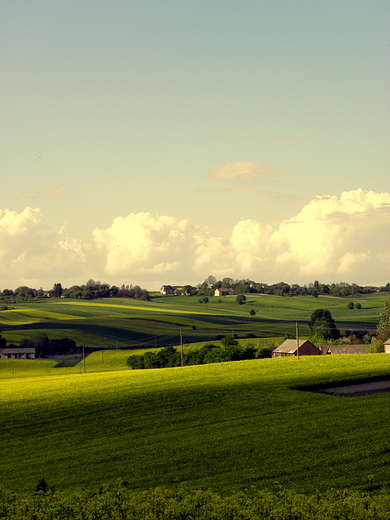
x=240, y=299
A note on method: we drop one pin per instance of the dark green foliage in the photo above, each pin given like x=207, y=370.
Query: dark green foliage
x=41, y=343
x=322, y=325
x=167, y=357
x=241, y=299
x=265, y=353
x=57, y=290
x=252, y=312
x=358, y=306
x=383, y=328
x=42, y=486
x=350, y=305
x=117, y=501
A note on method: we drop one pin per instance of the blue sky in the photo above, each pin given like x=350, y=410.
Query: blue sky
x=161, y=142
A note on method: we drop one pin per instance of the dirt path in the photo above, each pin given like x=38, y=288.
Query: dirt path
x=377, y=387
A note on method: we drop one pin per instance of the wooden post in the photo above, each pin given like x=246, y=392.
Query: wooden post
x=297, y=336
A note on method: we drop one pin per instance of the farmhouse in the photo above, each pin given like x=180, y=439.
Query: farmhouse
x=290, y=347
x=17, y=353
x=223, y=291
x=171, y=289
x=343, y=349
x=386, y=346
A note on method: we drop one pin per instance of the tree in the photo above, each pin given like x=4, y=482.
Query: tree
x=322, y=325
x=210, y=280
x=57, y=290
x=358, y=306
x=41, y=342
x=383, y=327
x=350, y=305
x=241, y=299
x=252, y=312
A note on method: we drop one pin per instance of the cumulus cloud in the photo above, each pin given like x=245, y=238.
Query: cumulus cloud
x=245, y=171
x=156, y=245
x=336, y=237
x=331, y=239
x=29, y=255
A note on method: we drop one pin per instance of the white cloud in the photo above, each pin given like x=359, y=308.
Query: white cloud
x=31, y=256
x=244, y=171
x=331, y=239
x=146, y=244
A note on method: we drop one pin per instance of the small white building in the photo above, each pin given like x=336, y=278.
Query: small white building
x=386, y=346
x=224, y=291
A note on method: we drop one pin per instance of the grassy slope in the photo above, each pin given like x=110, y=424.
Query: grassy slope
x=136, y=323
x=223, y=426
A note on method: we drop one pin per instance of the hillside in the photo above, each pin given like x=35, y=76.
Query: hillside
x=225, y=426
x=138, y=324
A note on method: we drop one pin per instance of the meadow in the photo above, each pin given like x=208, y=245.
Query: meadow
x=138, y=324
x=224, y=427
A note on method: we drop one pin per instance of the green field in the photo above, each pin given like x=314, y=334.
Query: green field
x=224, y=427
x=138, y=324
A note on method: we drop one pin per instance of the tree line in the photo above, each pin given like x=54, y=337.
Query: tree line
x=89, y=291
x=230, y=350
x=246, y=286
x=44, y=347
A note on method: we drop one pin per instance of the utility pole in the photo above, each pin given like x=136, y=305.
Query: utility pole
x=181, y=349
x=297, y=336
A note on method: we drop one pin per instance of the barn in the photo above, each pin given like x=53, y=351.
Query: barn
x=292, y=347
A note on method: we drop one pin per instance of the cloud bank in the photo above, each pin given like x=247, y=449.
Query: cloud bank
x=331, y=239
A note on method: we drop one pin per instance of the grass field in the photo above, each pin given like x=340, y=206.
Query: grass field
x=135, y=323
x=226, y=426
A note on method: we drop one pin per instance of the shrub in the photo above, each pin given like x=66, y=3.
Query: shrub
x=240, y=299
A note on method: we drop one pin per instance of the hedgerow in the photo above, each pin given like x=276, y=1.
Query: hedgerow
x=118, y=502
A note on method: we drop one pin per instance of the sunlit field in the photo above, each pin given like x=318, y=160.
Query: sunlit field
x=226, y=426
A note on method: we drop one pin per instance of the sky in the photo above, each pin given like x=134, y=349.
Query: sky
x=152, y=142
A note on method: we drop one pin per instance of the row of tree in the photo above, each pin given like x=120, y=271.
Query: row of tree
x=341, y=289
x=231, y=350
x=89, y=291
x=96, y=289
x=44, y=347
